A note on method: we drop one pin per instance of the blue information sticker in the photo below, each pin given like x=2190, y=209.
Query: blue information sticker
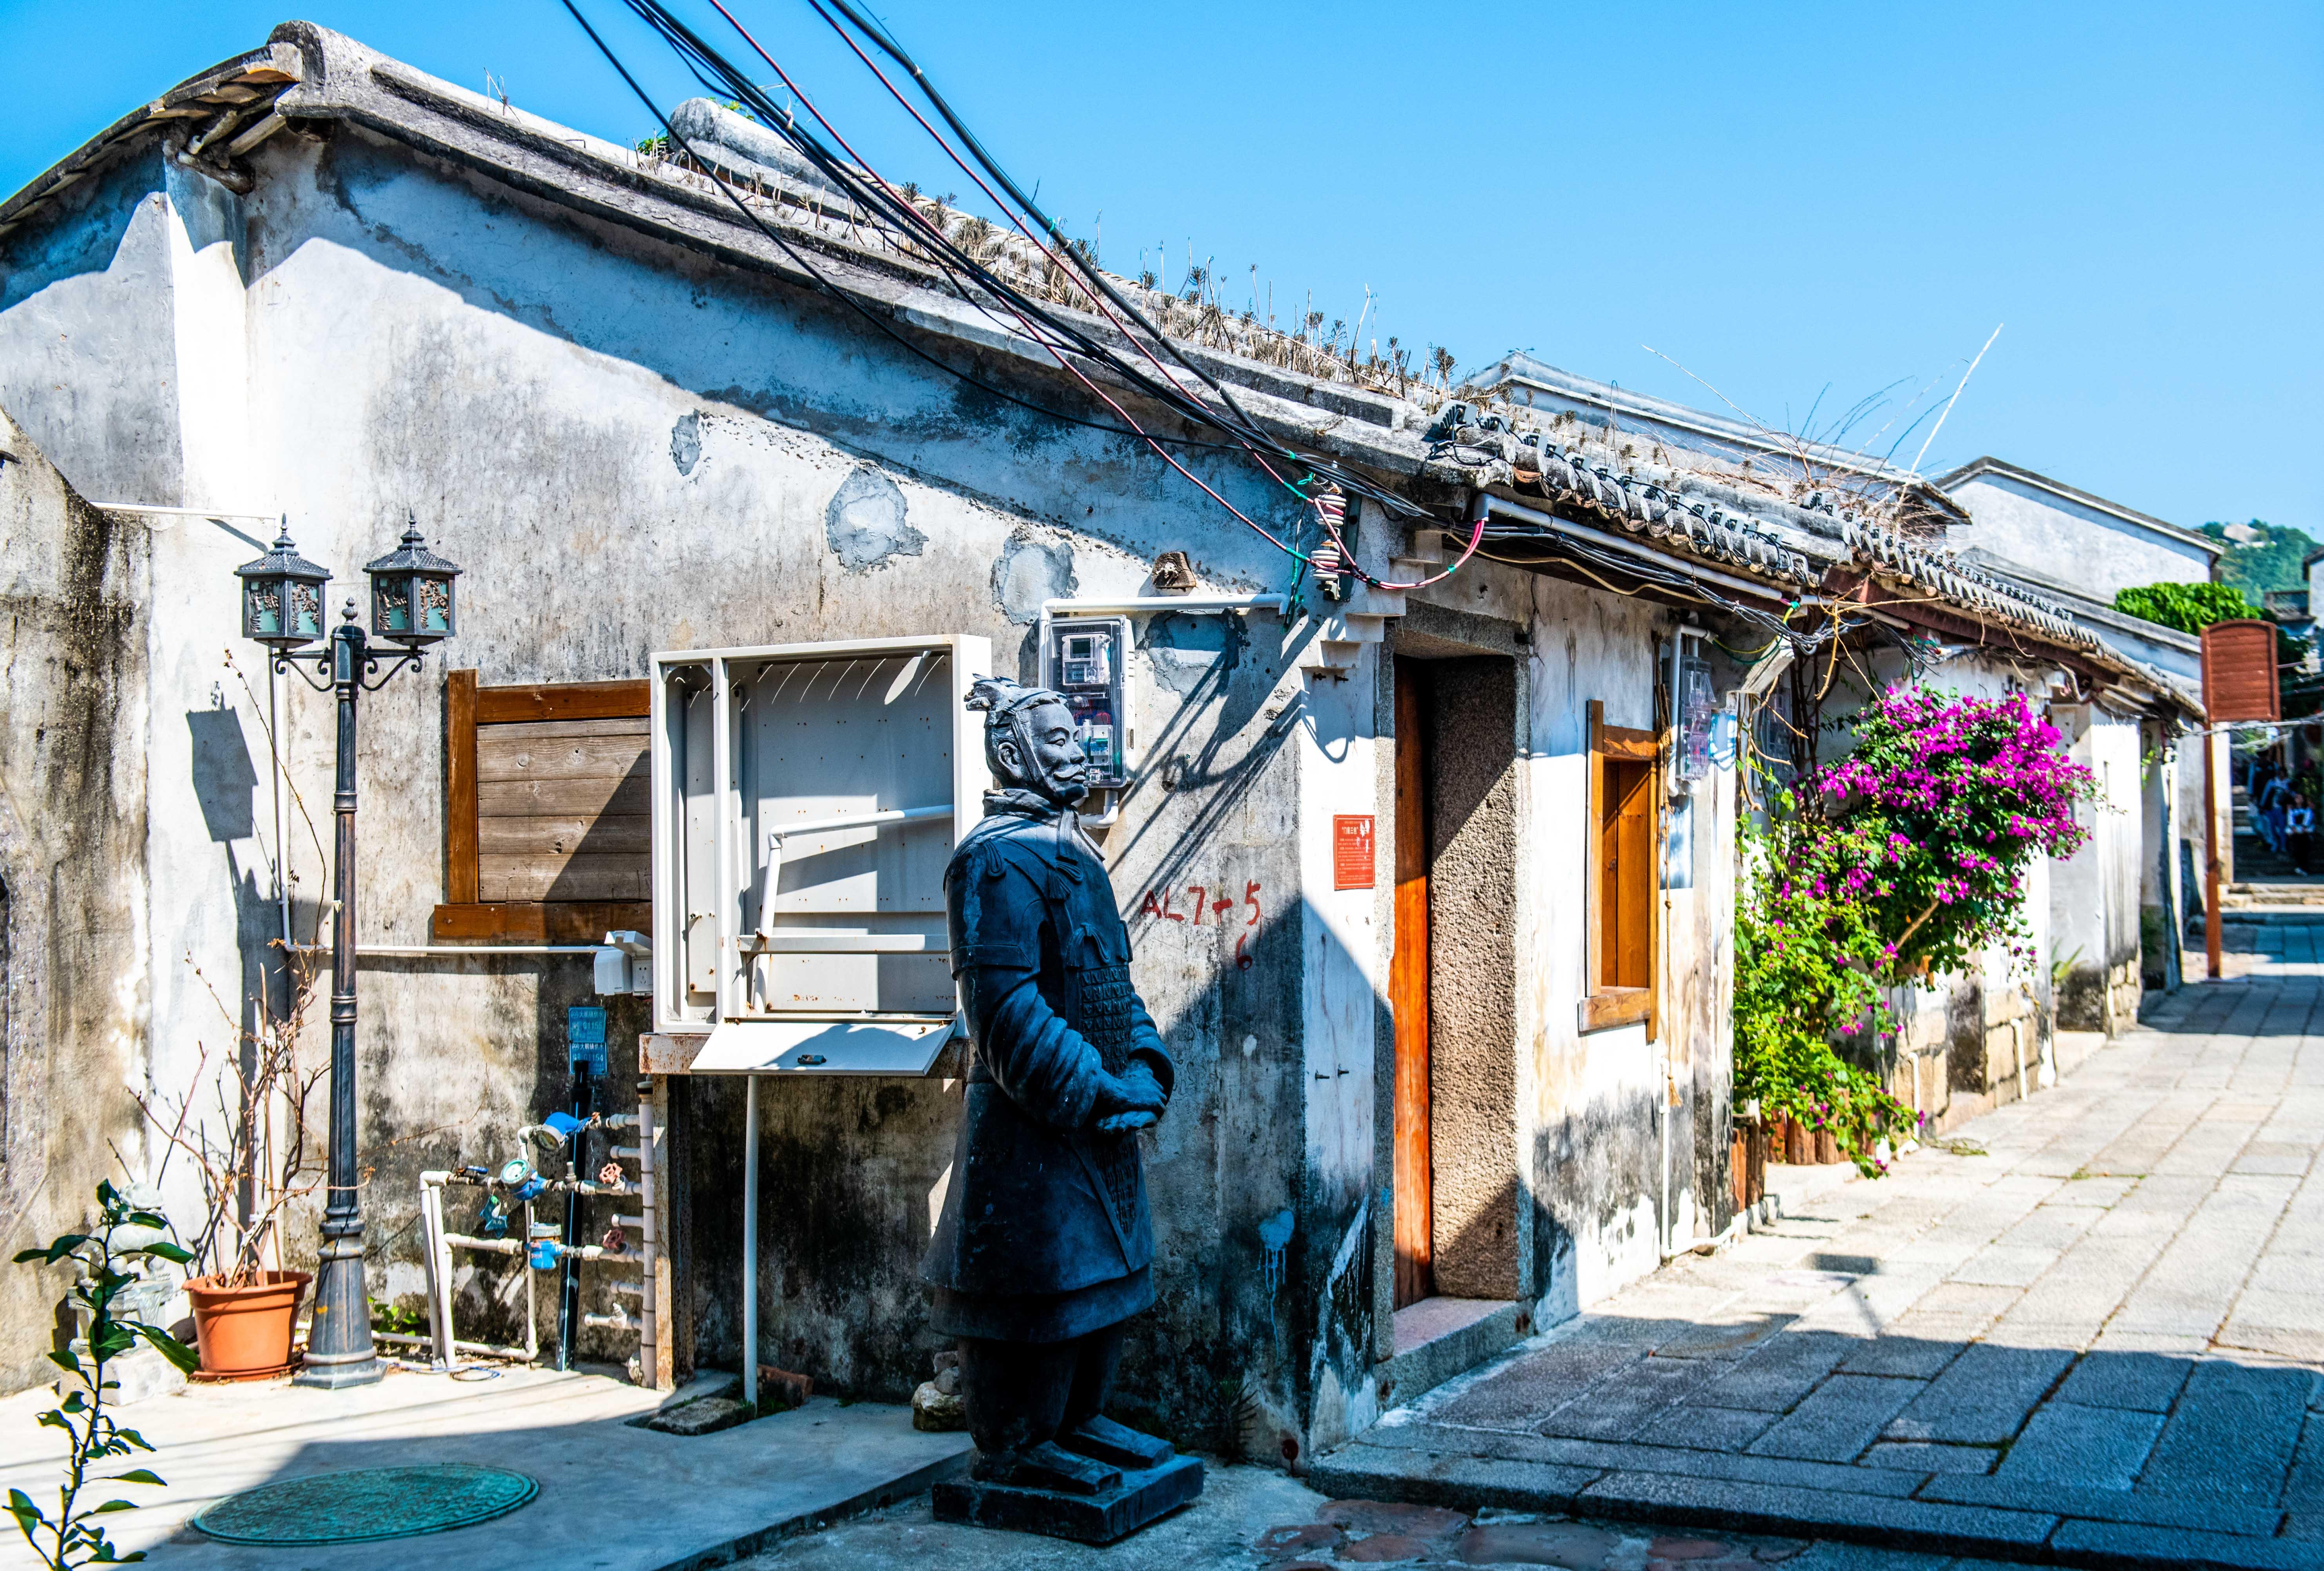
x=584, y=1037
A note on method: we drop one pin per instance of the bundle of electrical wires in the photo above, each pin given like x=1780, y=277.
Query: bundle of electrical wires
x=1593, y=563
x=1121, y=346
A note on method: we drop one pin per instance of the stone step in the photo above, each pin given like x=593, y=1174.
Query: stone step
x=1335, y=658
x=1352, y=627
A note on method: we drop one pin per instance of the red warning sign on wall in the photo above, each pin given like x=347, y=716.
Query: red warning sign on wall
x=1352, y=850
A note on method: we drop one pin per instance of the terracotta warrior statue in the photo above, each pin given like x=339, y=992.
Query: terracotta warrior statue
x=1045, y=1247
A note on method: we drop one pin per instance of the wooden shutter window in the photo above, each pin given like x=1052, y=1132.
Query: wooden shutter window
x=1623, y=966
x=2240, y=681
x=549, y=825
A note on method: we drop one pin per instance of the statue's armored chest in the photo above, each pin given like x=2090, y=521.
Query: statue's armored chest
x=1094, y=956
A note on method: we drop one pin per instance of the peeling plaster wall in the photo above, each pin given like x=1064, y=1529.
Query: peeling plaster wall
x=74, y=987
x=630, y=448
x=1596, y=1161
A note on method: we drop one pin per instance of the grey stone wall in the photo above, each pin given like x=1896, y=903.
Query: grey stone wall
x=73, y=983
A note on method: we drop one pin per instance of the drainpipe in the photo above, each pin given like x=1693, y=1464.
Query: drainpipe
x=1661, y=948
x=1663, y=1220
x=751, y=1240
x=2210, y=856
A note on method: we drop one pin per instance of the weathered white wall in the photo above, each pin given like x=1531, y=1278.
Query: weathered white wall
x=1343, y=973
x=632, y=449
x=2097, y=551
x=1593, y=1134
x=75, y=986
x=2095, y=893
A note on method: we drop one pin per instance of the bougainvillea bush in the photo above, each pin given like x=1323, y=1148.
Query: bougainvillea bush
x=1910, y=856
x=1800, y=979
x=1957, y=794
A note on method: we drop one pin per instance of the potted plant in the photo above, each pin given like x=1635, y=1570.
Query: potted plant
x=256, y=1159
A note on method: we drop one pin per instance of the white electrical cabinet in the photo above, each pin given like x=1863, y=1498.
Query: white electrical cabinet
x=806, y=798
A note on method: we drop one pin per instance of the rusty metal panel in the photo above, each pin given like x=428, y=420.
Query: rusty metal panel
x=2239, y=675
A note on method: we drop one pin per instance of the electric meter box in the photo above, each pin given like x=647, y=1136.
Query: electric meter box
x=806, y=798
x=1086, y=660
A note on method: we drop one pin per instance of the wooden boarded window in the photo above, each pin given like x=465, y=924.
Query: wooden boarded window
x=548, y=822
x=1625, y=846
x=2239, y=672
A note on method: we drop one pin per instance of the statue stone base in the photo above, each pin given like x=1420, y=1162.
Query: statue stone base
x=1142, y=1495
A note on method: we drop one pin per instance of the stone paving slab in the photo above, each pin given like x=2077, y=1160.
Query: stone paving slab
x=1742, y=1468
x=2099, y=1448
x=2117, y=1547
x=1912, y=1524
x=2098, y=1342
x=2111, y=1505
x=1256, y=1518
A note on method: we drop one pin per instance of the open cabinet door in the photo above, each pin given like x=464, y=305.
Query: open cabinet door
x=807, y=800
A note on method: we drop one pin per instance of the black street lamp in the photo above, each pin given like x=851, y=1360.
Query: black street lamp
x=281, y=607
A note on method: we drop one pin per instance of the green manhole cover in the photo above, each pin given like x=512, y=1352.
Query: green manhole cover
x=370, y=1503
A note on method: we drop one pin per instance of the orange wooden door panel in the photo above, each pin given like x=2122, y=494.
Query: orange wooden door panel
x=1409, y=1003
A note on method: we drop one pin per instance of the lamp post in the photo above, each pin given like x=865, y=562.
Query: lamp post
x=412, y=596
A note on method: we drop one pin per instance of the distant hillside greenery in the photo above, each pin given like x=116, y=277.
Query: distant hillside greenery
x=2188, y=607
x=2270, y=562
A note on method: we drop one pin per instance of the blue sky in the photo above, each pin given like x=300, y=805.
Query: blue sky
x=1782, y=198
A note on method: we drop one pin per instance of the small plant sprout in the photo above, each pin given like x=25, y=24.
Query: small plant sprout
x=76, y=1536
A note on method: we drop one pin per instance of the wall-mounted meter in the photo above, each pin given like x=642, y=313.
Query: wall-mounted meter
x=1693, y=711
x=1085, y=659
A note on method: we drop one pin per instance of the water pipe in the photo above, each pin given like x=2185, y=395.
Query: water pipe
x=751, y=1241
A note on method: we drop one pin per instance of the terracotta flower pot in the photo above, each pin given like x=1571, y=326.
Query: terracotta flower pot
x=242, y=1330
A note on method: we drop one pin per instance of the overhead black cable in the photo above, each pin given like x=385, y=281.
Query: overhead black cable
x=894, y=51
x=848, y=299
x=701, y=57
x=1057, y=337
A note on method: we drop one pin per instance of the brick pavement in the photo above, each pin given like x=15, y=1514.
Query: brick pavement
x=2084, y=1328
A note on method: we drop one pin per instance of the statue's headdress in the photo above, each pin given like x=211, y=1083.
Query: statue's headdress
x=1002, y=700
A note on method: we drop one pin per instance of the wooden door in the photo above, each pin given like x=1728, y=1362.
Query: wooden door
x=1409, y=1000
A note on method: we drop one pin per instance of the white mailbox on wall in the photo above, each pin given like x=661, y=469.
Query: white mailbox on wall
x=806, y=798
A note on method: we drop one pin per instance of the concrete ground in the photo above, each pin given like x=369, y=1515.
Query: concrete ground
x=2086, y=1327
x=2085, y=1330
x=1257, y=1518
x=613, y=1498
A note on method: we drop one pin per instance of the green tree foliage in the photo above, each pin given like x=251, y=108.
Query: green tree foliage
x=2187, y=607
x=2193, y=607
x=2271, y=562
x=1800, y=979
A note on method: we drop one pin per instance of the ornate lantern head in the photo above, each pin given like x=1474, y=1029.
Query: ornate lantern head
x=412, y=594
x=283, y=597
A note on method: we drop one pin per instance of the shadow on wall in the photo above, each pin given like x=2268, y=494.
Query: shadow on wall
x=226, y=783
